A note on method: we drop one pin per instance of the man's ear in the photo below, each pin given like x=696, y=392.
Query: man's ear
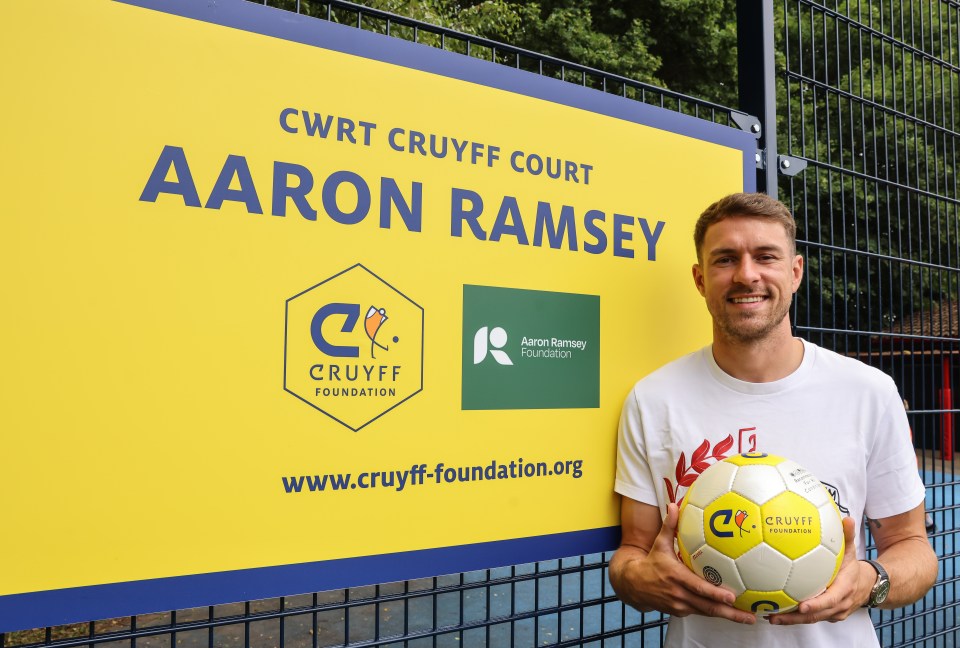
x=698, y=279
x=797, y=272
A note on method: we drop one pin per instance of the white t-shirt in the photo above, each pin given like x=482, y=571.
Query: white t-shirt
x=837, y=417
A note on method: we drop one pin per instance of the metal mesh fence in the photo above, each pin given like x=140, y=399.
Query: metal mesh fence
x=557, y=603
x=866, y=98
x=382, y=22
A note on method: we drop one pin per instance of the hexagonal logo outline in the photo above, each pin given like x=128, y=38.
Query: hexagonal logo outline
x=286, y=326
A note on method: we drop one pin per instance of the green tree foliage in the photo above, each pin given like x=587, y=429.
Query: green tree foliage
x=869, y=93
x=684, y=45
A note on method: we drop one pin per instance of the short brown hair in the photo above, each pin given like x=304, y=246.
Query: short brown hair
x=756, y=205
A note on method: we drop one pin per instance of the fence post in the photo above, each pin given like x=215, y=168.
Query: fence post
x=757, y=84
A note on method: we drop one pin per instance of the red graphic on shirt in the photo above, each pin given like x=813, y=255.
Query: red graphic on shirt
x=751, y=440
x=703, y=457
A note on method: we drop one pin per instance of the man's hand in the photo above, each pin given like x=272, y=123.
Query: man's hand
x=654, y=578
x=847, y=594
x=904, y=551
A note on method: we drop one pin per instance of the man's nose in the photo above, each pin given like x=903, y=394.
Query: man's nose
x=747, y=272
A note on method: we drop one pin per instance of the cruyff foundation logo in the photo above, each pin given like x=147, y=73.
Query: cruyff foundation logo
x=351, y=370
x=371, y=324
x=486, y=341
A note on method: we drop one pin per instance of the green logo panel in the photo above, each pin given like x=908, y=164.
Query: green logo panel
x=530, y=349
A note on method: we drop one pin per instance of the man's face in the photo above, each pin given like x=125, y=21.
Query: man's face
x=747, y=274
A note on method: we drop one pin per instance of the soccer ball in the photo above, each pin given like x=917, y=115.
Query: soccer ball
x=763, y=527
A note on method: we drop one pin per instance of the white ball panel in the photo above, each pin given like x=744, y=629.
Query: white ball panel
x=764, y=569
x=711, y=484
x=811, y=573
x=717, y=568
x=831, y=528
x=802, y=482
x=690, y=528
x=758, y=483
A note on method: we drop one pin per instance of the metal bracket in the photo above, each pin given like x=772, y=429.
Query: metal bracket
x=790, y=166
x=760, y=157
x=750, y=124
x=747, y=123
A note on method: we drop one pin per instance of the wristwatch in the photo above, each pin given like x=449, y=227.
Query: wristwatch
x=881, y=588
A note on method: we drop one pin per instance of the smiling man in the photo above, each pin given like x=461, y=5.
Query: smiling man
x=759, y=388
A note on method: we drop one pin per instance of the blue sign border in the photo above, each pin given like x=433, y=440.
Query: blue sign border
x=78, y=604
x=71, y=605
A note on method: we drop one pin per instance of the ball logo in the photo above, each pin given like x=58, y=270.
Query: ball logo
x=353, y=347
x=712, y=575
x=497, y=339
x=764, y=606
x=723, y=517
x=739, y=519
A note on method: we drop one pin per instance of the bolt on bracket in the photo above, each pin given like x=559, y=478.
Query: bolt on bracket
x=790, y=166
x=747, y=123
x=760, y=158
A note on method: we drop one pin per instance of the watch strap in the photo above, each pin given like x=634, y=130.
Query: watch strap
x=880, y=589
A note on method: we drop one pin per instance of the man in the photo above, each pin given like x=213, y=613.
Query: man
x=759, y=388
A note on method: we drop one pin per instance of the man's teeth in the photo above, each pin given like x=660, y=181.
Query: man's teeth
x=747, y=300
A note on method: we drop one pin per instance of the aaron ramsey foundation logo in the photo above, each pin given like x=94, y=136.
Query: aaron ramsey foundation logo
x=353, y=347
x=529, y=349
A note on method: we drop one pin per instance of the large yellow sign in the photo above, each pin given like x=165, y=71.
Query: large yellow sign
x=290, y=306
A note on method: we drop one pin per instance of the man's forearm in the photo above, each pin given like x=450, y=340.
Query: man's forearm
x=912, y=567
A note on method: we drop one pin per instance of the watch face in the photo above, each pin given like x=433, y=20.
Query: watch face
x=880, y=593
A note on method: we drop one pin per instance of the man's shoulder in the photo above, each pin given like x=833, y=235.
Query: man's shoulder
x=844, y=368
x=679, y=371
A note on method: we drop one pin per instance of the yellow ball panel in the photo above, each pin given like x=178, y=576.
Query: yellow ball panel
x=791, y=525
x=754, y=458
x=764, y=602
x=731, y=525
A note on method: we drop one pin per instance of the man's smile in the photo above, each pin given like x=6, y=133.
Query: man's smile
x=747, y=300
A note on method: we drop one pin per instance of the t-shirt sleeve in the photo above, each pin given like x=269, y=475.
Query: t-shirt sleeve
x=893, y=481
x=634, y=478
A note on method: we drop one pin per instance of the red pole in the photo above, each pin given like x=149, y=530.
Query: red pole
x=946, y=419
